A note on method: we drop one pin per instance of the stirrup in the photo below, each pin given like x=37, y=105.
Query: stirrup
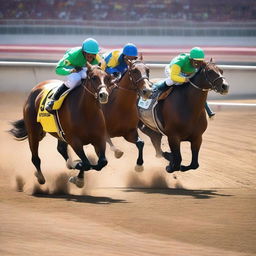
x=49, y=106
x=211, y=115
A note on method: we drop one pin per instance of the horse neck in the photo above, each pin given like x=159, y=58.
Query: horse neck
x=196, y=97
x=87, y=101
x=127, y=90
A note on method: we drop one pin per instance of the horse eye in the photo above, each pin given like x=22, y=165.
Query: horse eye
x=107, y=79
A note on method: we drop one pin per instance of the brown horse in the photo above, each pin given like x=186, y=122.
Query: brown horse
x=121, y=114
x=81, y=119
x=183, y=117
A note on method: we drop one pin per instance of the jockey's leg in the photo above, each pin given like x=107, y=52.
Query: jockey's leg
x=210, y=113
x=73, y=80
x=163, y=85
x=60, y=90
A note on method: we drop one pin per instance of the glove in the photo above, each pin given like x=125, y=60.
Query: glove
x=117, y=74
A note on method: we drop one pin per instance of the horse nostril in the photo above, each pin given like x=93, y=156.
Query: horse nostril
x=225, y=87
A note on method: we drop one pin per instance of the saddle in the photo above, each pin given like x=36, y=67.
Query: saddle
x=148, y=110
x=51, y=122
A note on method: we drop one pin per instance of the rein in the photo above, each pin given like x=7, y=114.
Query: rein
x=135, y=83
x=94, y=94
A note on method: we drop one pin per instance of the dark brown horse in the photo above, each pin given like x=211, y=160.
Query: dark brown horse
x=183, y=117
x=121, y=114
x=81, y=119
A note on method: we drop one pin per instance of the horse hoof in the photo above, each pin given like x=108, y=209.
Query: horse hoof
x=79, y=182
x=118, y=153
x=139, y=168
x=72, y=164
x=40, y=178
x=169, y=169
x=184, y=168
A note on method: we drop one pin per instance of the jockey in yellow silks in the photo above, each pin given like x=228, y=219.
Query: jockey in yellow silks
x=181, y=68
x=116, y=61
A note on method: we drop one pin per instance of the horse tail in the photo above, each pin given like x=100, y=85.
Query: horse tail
x=19, y=130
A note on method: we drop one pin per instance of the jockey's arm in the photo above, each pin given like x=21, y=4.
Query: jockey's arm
x=175, y=74
x=64, y=67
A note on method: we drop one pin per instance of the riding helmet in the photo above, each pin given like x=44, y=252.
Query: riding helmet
x=90, y=45
x=130, y=50
x=196, y=53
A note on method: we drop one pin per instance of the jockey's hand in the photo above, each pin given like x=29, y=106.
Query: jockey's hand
x=117, y=75
x=78, y=69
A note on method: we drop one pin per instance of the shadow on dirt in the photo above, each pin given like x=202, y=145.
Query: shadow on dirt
x=83, y=198
x=197, y=194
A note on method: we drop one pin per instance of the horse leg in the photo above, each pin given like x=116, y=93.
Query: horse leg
x=155, y=138
x=62, y=148
x=133, y=137
x=82, y=166
x=174, y=164
x=100, y=151
x=34, y=144
x=195, y=147
x=118, y=152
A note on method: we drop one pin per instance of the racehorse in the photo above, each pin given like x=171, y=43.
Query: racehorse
x=183, y=117
x=81, y=119
x=121, y=114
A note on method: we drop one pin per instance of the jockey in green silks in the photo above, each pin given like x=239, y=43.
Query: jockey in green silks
x=73, y=66
x=181, y=68
x=116, y=61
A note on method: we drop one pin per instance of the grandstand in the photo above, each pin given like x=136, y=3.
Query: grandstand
x=132, y=10
x=118, y=17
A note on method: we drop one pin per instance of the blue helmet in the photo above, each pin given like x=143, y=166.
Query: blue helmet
x=130, y=50
x=90, y=45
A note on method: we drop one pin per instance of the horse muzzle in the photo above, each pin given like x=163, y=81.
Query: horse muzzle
x=146, y=93
x=103, y=96
x=224, y=89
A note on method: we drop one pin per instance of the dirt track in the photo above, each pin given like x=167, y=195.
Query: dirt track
x=210, y=211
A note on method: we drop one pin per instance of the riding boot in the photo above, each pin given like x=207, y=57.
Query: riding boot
x=55, y=97
x=161, y=86
x=208, y=110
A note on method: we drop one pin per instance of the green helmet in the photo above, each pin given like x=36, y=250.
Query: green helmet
x=196, y=53
x=90, y=45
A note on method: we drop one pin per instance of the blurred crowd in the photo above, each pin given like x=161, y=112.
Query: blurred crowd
x=130, y=10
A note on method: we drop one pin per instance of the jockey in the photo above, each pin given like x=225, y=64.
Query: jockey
x=181, y=68
x=116, y=61
x=73, y=66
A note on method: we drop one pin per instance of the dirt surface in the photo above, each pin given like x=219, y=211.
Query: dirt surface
x=210, y=211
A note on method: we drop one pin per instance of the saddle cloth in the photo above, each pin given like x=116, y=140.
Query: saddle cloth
x=148, y=114
x=50, y=122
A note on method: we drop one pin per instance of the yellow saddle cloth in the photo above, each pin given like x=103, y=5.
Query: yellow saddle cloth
x=50, y=122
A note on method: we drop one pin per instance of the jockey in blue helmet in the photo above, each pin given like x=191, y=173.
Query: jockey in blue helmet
x=116, y=61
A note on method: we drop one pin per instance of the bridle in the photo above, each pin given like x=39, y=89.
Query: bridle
x=211, y=83
x=134, y=83
x=96, y=90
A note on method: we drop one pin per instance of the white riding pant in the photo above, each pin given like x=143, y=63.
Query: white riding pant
x=74, y=79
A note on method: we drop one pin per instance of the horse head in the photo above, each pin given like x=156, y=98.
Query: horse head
x=139, y=77
x=97, y=83
x=210, y=77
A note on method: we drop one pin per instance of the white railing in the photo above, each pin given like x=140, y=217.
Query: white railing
x=23, y=76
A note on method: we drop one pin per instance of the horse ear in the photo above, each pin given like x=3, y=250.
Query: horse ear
x=141, y=56
x=129, y=63
x=88, y=65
